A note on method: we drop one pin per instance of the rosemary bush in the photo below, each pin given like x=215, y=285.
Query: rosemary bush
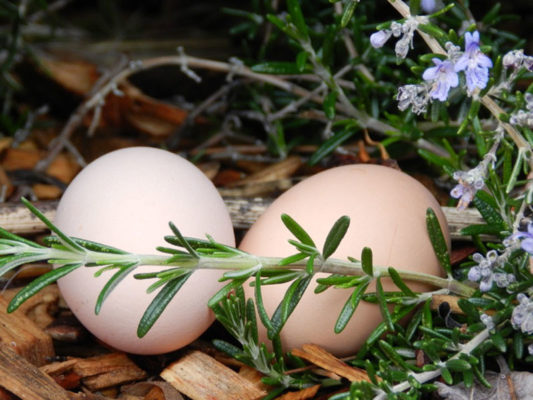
x=431, y=80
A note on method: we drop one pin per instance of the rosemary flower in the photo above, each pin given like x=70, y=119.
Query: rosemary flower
x=415, y=96
x=405, y=30
x=475, y=64
x=443, y=78
x=522, y=317
x=517, y=59
x=469, y=182
x=482, y=272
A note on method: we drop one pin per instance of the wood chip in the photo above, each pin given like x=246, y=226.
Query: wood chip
x=307, y=393
x=201, y=377
x=112, y=369
x=59, y=367
x=20, y=334
x=25, y=380
x=318, y=356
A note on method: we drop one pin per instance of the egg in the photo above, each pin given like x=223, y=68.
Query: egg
x=387, y=210
x=126, y=199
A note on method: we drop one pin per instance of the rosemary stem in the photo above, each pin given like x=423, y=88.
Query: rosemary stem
x=426, y=376
x=331, y=266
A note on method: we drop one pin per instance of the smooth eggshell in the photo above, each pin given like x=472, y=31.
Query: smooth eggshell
x=387, y=209
x=125, y=199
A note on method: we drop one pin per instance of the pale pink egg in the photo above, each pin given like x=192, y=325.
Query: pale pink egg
x=387, y=209
x=126, y=199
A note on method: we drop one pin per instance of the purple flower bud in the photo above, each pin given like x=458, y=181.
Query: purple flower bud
x=522, y=298
x=379, y=38
x=486, y=284
x=513, y=58
x=474, y=274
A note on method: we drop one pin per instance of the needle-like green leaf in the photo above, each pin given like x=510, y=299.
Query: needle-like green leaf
x=112, y=283
x=366, y=261
x=297, y=17
x=263, y=316
x=288, y=304
x=11, y=236
x=458, y=365
x=39, y=283
x=298, y=232
x=348, y=11
x=159, y=303
x=437, y=241
x=225, y=291
x=86, y=244
x=335, y=235
x=293, y=259
x=182, y=240
x=398, y=281
x=350, y=306
x=67, y=241
x=8, y=263
x=380, y=294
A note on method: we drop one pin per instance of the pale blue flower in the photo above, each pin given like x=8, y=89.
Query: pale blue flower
x=483, y=271
x=475, y=64
x=444, y=78
x=527, y=243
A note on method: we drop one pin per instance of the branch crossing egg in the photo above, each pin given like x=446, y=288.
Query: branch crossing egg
x=387, y=209
x=126, y=199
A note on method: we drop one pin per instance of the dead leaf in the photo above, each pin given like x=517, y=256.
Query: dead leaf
x=64, y=167
x=75, y=75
